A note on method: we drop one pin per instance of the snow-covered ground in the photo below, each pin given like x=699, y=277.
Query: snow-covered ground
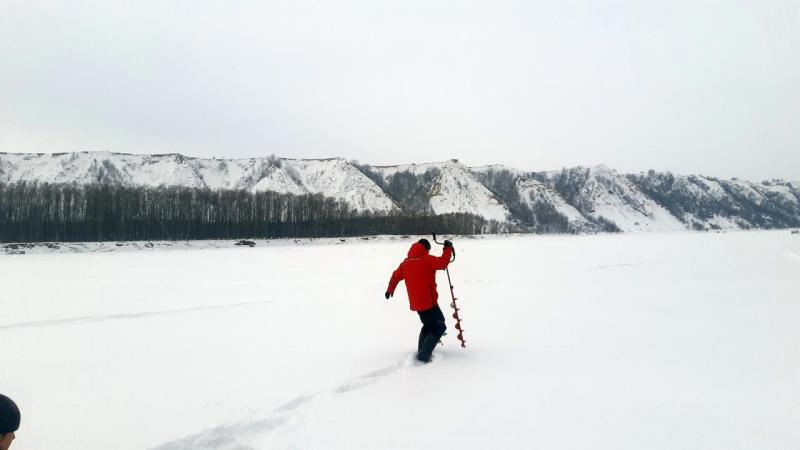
x=633, y=341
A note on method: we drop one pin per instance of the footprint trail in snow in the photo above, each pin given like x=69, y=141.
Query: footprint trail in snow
x=234, y=436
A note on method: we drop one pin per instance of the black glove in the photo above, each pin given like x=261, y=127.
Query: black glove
x=387, y=295
x=448, y=244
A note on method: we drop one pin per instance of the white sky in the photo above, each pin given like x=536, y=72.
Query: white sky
x=692, y=87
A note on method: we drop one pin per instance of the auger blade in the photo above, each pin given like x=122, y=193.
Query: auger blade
x=453, y=305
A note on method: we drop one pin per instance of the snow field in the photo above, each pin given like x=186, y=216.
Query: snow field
x=657, y=341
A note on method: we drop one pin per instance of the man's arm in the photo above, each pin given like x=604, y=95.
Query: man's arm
x=441, y=262
x=397, y=276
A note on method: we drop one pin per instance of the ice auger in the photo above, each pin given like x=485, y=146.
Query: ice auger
x=453, y=296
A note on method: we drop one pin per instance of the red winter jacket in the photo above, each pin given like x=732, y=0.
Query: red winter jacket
x=419, y=272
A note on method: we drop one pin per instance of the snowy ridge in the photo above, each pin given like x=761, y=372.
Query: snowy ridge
x=340, y=179
x=612, y=196
x=532, y=193
x=455, y=190
x=331, y=177
x=277, y=179
x=704, y=202
x=602, y=194
x=580, y=199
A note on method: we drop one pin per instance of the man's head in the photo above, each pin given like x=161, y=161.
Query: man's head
x=425, y=244
x=9, y=421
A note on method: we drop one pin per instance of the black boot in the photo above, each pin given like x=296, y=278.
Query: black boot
x=421, y=338
x=427, y=346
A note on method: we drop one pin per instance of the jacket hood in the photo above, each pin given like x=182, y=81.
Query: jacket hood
x=417, y=250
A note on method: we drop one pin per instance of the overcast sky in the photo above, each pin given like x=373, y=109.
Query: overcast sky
x=692, y=87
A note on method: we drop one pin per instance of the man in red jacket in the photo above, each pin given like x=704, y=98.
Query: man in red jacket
x=419, y=272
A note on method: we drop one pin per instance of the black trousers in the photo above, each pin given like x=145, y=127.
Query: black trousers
x=432, y=321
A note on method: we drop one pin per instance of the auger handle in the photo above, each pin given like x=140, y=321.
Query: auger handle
x=442, y=243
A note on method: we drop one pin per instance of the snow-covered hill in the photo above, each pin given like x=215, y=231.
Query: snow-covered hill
x=331, y=177
x=454, y=189
x=580, y=199
x=533, y=201
x=704, y=202
x=603, y=194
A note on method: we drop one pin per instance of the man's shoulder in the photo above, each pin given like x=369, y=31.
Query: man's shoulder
x=416, y=258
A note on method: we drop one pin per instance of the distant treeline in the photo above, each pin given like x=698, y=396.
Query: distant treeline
x=40, y=212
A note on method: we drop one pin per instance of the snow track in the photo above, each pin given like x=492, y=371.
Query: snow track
x=239, y=436
x=85, y=319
